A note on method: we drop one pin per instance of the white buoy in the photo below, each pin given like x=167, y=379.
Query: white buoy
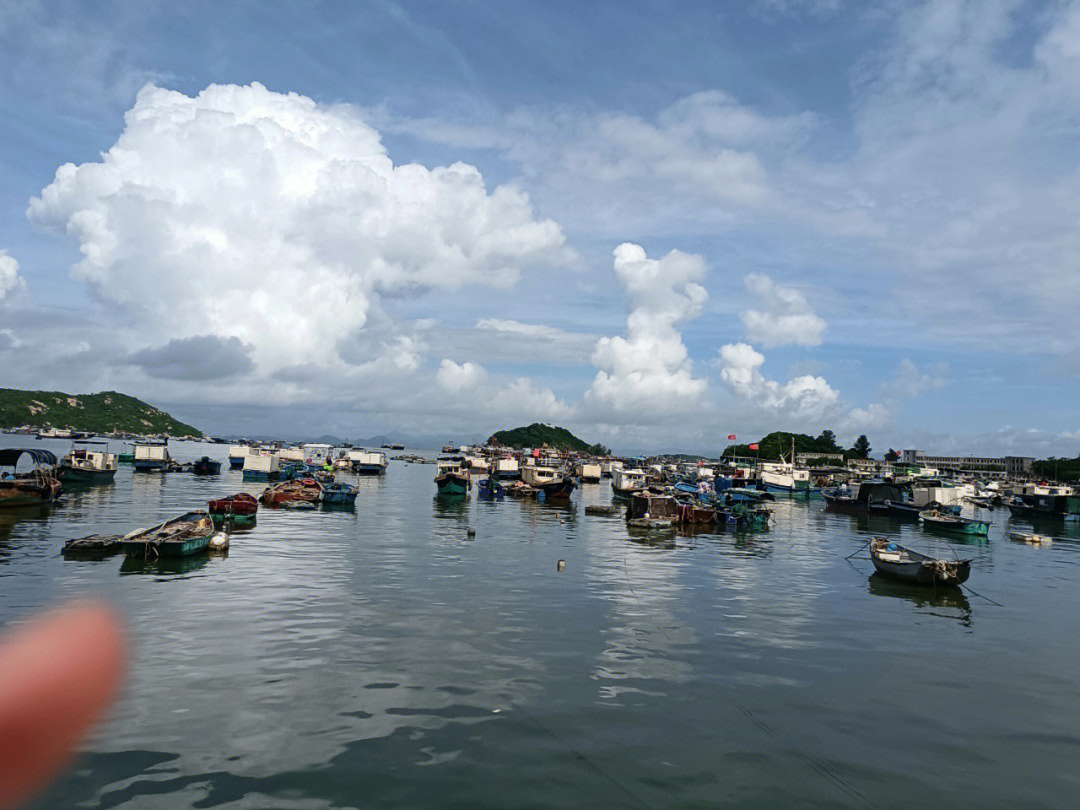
x=219, y=541
x=560, y=565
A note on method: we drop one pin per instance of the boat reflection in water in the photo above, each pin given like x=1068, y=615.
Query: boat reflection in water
x=948, y=603
x=166, y=566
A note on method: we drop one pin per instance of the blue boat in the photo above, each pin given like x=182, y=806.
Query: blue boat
x=339, y=493
x=489, y=489
x=206, y=466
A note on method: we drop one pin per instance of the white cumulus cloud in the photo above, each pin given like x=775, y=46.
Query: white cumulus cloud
x=806, y=396
x=10, y=280
x=280, y=222
x=648, y=372
x=781, y=315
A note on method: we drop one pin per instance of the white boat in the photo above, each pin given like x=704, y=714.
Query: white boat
x=151, y=456
x=368, y=462
x=589, y=472
x=784, y=477
x=477, y=463
x=88, y=461
x=506, y=468
x=260, y=465
x=625, y=483
x=237, y=454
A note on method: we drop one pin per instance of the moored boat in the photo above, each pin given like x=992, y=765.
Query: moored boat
x=88, y=462
x=954, y=523
x=297, y=490
x=206, y=466
x=366, y=462
x=506, y=468
x=241, y=508
x=452, y=478
x=898, y=562
x=624, y=483
x=489, y=489
x=554, y=484
x=178, y=537
x=237, y=454
x=32, y=488
x=339, y=494
x=151, y=456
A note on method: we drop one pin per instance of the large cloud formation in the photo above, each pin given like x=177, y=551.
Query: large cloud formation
x=649, y=370
x=278, y=222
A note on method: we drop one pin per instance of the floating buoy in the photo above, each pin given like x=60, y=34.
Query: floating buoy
x=470, y=532
x=219, y=541
x=560, y=565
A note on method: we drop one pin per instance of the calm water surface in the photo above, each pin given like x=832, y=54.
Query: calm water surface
x=377, y=658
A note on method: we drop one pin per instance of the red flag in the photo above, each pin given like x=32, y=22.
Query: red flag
x=754, y=446
x=731, y=437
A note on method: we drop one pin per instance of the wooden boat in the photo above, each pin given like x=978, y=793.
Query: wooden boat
x=179, y=537
x=241, y=508
x=94, y=545
x=152, y=456
x=339, y=494
x=898, y=562
x=303, y=490
x=602, y=510
x=31, y=488
x=88, y=462
x=452, y=478
x=953, y=523
x=206, y=466
x=554, y=484
x=652, y=524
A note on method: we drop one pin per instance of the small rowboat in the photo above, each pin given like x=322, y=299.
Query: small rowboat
x=241, y=507
x=898, y=562
x=306, y=490
x=339, y=494
x=1031, y=539
x=954, y=523
x=178, y=537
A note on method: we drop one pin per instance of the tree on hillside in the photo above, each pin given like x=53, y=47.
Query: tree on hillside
x=827, y=442
x=861, y=448
x=892, y=455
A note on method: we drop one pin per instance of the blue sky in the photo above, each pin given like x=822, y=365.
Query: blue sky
x=368, y=217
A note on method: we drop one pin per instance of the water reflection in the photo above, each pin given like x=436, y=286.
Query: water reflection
x=948, y=603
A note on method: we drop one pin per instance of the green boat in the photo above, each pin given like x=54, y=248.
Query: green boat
x=88, y=462
x=180, y=537
x=954, y=523
x=452, y=479
x=238, y=521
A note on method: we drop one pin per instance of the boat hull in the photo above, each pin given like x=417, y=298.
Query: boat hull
x=149, y=465
x=76, y=475
x=236, y=462
x=451, y=486
x=558, y=490
x=27, y=493
x=369, y=469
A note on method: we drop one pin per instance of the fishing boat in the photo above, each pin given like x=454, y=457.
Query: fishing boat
x=180, y=537
x=506, y=468
x=898, y=562
x=339, y=494
x=954, y=523
x=88, y=462
x=785, y=477
x=287, y=493
x=261, y=465
x=206, y=466
x=649, y=505
x=589, y=472
x=368, y=462
x=126, y=455
x=489, y=489
x=152, y=456
x=452, y=478
x=624, y=483
x=554, y=484
x=237, y=454
x=241, y=507
x=31, y=488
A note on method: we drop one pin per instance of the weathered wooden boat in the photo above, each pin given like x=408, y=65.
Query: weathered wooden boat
x=31, y=488
x=339, y=494
x=179, y=537
x=648, y=504
x=489, y=489
x=589, y=472
x=953, y=523
x=694, y=514
x=88, y=462
x=452, y=478
x=241, y=508
x=602, y=510
x=94, y=545
x=554, y=484
x=506, y=468
x=302, y=490
x=206, y=466
x=898, y=562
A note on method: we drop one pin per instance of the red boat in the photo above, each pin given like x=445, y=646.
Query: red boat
x=304, y=489
x=239, y=504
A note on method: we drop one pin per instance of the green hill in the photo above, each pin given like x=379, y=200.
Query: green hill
x=100, y=413
x=774, y=445
x=539, y=435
